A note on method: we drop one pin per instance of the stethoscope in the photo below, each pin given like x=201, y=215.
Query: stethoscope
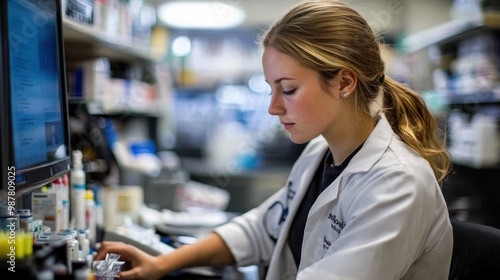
x=277, y=209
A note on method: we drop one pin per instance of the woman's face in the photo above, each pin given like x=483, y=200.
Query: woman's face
x=305, y=109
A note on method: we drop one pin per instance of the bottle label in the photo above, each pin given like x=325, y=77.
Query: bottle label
x=26, y=223
x=79, y=186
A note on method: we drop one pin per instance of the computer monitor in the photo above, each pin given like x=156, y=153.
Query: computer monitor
x=34, y=129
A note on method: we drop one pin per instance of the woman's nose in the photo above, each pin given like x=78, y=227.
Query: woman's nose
x=275, y=106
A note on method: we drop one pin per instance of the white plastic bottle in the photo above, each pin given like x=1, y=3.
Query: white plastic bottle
x=486, y=147
x=66, y=201
x=84, y=244
x=78, y=188
x=90, y=216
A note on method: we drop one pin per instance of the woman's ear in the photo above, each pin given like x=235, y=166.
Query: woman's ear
x=347, y=82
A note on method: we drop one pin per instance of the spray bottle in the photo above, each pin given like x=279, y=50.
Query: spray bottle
x=78, y=189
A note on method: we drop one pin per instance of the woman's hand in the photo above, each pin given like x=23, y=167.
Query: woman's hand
x=144, y=266
x=208, y=251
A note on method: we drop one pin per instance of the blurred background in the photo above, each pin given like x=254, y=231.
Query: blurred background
x=169, y=92
x=169, y=126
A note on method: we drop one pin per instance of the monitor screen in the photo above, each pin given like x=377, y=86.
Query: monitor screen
x=34, y=87
x=35, y=81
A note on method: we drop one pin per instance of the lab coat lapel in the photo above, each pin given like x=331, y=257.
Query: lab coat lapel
x=301, y=178
x=304, y=175
x=315, y=224
x=372, y=150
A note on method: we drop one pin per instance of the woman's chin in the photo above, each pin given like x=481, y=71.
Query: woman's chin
x=298, y=140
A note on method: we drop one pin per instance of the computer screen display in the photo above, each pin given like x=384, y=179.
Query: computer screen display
x=35, y=80
x=34, y=127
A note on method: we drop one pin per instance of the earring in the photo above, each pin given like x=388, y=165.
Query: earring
x=345, y=94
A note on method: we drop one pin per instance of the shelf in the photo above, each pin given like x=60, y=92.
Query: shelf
x=96, y=109
x=450, y=31
x=470, y=164
x=474, y=98
x=86, y=42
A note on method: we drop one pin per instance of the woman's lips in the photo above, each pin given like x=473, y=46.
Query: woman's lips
x=287, y=125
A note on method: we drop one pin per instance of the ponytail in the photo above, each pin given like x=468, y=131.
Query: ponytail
x=413, y=122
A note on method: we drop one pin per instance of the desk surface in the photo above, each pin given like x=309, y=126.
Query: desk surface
x=226, y=273
x=203, y=167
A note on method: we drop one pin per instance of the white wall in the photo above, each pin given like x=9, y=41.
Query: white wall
x=383, y=15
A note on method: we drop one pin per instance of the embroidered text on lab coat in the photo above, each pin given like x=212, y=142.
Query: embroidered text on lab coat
x=336, y=225
x=326, y=243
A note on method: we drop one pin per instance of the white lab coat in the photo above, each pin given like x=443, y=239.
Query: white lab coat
x=383, y=218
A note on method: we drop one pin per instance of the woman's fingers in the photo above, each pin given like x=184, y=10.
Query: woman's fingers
x=130, y=274
x=125, y=251
x=142, y=264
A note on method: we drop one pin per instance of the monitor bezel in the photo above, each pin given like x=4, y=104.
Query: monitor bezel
x=38, y=175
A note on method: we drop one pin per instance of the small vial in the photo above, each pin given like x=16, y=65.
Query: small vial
x=25, y=220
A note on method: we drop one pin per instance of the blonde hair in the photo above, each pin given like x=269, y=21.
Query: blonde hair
x=326, y=36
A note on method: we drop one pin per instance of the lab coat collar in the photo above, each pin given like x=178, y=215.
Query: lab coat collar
x=373, y=149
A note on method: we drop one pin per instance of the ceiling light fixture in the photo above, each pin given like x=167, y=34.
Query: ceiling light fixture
x=181, y=46
x=200, y=15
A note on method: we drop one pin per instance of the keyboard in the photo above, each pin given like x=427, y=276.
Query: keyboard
x=149, y=242
x=140, y=237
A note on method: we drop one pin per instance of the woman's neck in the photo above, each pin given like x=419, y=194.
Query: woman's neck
x=349, y=137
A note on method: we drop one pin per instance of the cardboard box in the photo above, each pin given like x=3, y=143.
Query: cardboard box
x=47, y=206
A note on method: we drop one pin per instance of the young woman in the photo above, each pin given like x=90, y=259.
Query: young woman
x=363, y=201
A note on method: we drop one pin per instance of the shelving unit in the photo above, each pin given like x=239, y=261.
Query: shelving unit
x=444, y=38
x=83, y=41
x=470, y=180
x=95, y=109
x=490, y=97
x=451, y=31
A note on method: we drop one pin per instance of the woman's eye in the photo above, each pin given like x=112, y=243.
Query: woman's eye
x=285, y=92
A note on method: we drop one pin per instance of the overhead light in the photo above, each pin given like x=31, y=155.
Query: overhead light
x=200, y=15
x=257, y=83
x=181, y=46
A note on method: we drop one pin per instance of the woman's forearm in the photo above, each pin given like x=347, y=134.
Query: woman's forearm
x=209, y=251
